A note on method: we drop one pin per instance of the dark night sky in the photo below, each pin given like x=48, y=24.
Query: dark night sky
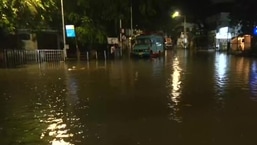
x=195, y=10
x=200, y=8
x=221, y=1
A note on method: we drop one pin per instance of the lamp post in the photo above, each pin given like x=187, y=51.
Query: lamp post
x=185, y=32
x=63, y=32
x=131, y=18
x=177, y=14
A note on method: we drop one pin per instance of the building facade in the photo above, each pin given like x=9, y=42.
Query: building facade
x=227, y=37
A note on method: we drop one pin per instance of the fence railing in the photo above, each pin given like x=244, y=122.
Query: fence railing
x=13, y=57
x=16, y=57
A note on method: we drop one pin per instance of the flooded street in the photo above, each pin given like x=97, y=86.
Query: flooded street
x=183, y=98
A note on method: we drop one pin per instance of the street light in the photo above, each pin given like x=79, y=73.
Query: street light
x=177, y=14
x=63, y=32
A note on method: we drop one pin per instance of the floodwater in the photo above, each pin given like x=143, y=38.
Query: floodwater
x=182, y=98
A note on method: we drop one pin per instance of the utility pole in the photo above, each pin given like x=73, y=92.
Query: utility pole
x=131, y=18
x=63, y=32
x=176, y=14
x=121, y=38
x=185, y=32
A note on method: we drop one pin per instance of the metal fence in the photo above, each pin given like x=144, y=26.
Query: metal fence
x=16, y=57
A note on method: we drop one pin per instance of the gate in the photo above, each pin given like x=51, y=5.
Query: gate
x=18, y=57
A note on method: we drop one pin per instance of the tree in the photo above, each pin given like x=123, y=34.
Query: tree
x=151, y=14
x=24, y=14
x=245, y=14
x=89, y=33
x=94, y=19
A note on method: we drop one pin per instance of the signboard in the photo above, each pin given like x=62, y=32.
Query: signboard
x=113, y=40
x=70, y=31
x=223, y=33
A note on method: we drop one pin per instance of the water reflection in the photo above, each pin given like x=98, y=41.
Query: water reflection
x=56, y=129
x=157, y=67
x=174, y=84
x=253, y=80
x=125, y=102
x=243, y=68
x=52, y=114
x=72, y=85
x=55, y=104
x=221, y=77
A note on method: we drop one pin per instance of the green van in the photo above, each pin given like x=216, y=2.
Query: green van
x=148, y=46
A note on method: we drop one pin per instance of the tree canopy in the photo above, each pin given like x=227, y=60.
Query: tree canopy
x=23, y=14
x=95, y=19
x=244, y=13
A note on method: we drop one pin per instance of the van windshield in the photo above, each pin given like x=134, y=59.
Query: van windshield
x=143, y=41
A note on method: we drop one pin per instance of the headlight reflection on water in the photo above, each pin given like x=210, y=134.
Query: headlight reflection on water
x=174, y=84
x=57, y=129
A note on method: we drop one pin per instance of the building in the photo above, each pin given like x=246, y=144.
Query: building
x=226, y=37
x=219, y=30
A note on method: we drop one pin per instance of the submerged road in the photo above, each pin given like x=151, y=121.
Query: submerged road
x=182, y=98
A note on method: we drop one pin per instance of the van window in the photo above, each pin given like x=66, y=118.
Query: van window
x=160, y=40
x=143, y=41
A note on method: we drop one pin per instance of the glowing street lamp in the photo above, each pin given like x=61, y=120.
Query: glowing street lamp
x=177, y=14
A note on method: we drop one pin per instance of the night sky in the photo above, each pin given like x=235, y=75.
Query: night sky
x=196, y=11
x=201, y=8
x=221, y=1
